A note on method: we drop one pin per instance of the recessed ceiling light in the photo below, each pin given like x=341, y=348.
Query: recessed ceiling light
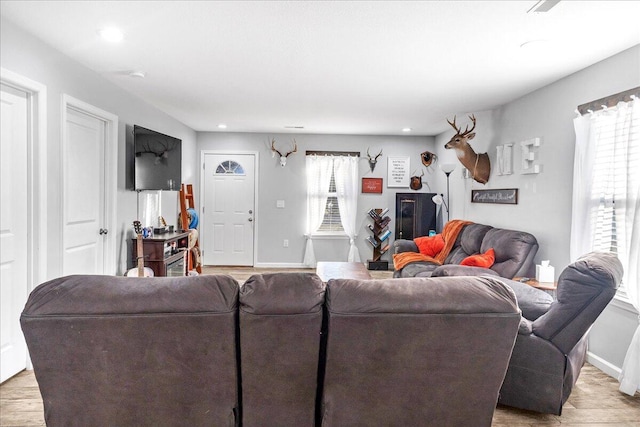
x=222, y=126
x=406, y=129
x=111, y=34
x=138, y=74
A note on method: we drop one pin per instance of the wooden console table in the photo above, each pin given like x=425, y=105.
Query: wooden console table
x=342, y=270
x=165, y=253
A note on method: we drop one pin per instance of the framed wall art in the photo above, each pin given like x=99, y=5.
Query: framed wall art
x=502, y=196
x=398, y=171
x=372, y=185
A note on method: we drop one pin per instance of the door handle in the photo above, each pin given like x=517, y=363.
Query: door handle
x=250, y=219
x=103, y=231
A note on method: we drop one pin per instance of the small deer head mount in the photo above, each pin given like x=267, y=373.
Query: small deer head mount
x=477, y=163
x=283, y=157
x=416, y=182
x=373, y=160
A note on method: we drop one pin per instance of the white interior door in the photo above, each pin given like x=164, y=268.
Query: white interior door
x=228, y=218
x=83, y=194
x=14, y=211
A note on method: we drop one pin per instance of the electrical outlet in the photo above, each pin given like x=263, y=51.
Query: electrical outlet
x=285, y=243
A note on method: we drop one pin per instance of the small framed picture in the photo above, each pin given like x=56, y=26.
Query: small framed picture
x=372, y=185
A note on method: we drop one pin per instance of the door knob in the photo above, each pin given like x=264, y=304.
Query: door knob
x=250, y=219
x=103, y=231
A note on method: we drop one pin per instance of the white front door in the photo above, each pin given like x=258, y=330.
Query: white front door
x=14, y=214
x=228, y=217
x=84, y=205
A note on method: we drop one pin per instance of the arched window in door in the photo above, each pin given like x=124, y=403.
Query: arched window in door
x=229, y=167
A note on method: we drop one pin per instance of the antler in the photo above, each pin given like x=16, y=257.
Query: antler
x=466, y=129
x=376, y=157
x=273, y=147
x=295, y=149
x=453, y=125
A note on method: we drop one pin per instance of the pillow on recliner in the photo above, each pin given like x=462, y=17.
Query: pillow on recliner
x=430, y=246
x=485, y=260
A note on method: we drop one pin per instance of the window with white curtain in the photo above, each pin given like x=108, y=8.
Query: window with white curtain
x=331, y=221
x=606, y=204
x=332, y=201
x=617, y=154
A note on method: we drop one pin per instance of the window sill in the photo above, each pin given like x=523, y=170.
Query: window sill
x=329, y=235
x=621, y=301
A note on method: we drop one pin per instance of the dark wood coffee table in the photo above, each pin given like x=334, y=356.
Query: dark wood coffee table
x=342, y=270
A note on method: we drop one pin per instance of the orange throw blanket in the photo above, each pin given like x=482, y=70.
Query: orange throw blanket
x=449, y=234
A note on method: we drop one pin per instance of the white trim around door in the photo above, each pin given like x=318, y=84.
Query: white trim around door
x=37, y=164
x=256, y=210
x=110, y=172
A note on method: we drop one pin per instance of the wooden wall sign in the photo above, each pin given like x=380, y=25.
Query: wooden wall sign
x=372, y=185
x=503, y=196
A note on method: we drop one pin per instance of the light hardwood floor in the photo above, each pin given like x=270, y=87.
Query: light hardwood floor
x=594, y=402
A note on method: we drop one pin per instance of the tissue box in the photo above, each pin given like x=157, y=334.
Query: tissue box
x=545, y=273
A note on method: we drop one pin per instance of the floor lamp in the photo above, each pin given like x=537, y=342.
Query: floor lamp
x=447, y=168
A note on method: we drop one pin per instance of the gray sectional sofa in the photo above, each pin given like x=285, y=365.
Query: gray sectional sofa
x=283, y=350
x=286, y=349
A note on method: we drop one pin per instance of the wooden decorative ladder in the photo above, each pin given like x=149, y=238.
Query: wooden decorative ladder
x=187, y=202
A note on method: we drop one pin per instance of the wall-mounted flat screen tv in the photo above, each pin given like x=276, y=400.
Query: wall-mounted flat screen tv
x=158, y=160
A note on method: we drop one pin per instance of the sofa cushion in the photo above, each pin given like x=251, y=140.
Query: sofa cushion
x=462, y=270
x=533, y=302
x=480, y=260
x=514, y=252
x=417, y=269
x=280, y=328
x=430, y=245
x=469, y=242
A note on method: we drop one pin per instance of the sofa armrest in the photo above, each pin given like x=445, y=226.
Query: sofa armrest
x=462, y=270
x=525, y=327
x=404, y=245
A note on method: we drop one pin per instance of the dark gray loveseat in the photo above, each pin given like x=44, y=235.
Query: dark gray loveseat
x=514, y=254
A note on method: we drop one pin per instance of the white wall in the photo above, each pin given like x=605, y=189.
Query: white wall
x=23, y=54
x=544, y=207
x=289, y=184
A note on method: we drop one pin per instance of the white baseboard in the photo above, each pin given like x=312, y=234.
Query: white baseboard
x=605, y=366
x=279, y=265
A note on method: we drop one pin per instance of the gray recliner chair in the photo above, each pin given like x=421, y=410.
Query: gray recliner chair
x=551, y=349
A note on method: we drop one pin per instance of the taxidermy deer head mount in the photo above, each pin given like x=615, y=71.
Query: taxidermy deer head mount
x=373, y=160
x=477, y=163
x=283, y=157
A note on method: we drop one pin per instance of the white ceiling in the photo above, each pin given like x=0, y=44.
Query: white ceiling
x=343, y=67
